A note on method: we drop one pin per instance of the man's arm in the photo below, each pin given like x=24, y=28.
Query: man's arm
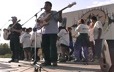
x=19, y=31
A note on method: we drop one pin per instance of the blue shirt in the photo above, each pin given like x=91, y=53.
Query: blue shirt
x=52, y=27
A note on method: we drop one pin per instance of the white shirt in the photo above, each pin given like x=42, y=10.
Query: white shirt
x=64, y=37
x=36, y=39
x=97, y=25
x=52, y=26
x=82, y=28
x=22, y=33
x=25, y=40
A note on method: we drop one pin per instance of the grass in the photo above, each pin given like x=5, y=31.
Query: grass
x=5, y=56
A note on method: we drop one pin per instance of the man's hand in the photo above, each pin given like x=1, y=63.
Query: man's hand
x=19, y=31
x=12, y=29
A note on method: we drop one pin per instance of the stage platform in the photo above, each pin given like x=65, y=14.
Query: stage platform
x=26, y=66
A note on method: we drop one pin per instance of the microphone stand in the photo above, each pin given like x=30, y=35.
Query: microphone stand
x=37, y=67
x=32, y=17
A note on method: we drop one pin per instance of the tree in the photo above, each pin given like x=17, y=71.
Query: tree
x=4, y=49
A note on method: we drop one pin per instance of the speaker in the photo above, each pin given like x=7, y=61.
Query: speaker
x=107, y=58
x=111, y=51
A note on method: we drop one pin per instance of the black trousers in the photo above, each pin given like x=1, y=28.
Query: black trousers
x=49, y=47
x=98, y=48
x=15, y=47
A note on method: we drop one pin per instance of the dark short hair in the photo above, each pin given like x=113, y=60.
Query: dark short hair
x=94, y=18
x=49, y=3
x=27, y=30
x=82, y=21
x=23, y=29
x=69, y=28
x=30, y=28
x=14, y=17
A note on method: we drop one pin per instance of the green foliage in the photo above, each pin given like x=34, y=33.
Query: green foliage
x=5, y=45
x=5, y=50
x=5, y=56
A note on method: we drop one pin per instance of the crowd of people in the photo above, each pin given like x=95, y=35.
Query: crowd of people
x=57, y=43
x=88, y=42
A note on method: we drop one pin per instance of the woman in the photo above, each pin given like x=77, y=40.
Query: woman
x=82, y=41
x=92, y=43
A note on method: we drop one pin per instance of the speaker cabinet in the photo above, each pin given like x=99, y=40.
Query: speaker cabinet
x=107, y=56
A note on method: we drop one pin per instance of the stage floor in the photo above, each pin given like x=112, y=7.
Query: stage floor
x=26, y=66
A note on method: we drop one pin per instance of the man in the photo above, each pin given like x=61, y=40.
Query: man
x=98, y=37
x=15, y=29
x=49, y=34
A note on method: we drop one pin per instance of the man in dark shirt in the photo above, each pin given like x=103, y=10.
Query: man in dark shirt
x=15, y=28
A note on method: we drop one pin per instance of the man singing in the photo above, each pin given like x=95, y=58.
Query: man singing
x=49, y=33
x=15, y=29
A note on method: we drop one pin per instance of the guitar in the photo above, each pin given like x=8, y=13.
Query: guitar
x=45, y=18
x=6, y=32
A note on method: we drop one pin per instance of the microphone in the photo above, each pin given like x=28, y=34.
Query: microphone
x=42, y=8
x=10, y=20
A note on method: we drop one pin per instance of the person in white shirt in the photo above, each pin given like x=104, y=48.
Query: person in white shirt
x=21, y=54
x=36, y=44
x=64, y=42
x=26, y=42
x=82, y=42
x=98, y=36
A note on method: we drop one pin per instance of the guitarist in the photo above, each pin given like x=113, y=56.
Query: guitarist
x=49, y=34
x=15, y=29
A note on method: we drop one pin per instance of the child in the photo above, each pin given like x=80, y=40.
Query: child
x=26, y=42
x=21, y=52
x=36, y=44
x=64, y=42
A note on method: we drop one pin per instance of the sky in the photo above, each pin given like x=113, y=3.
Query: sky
x=26, y=9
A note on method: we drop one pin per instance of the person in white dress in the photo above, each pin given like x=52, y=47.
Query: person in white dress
x=92, y=43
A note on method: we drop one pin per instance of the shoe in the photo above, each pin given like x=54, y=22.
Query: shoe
x=96, y=61
x=16, y=60
x=76, y=60
x=46, y=64
x=11, y=61
x=70, y=58
x=63, y=61
x=25, y=59
x=54, y=64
